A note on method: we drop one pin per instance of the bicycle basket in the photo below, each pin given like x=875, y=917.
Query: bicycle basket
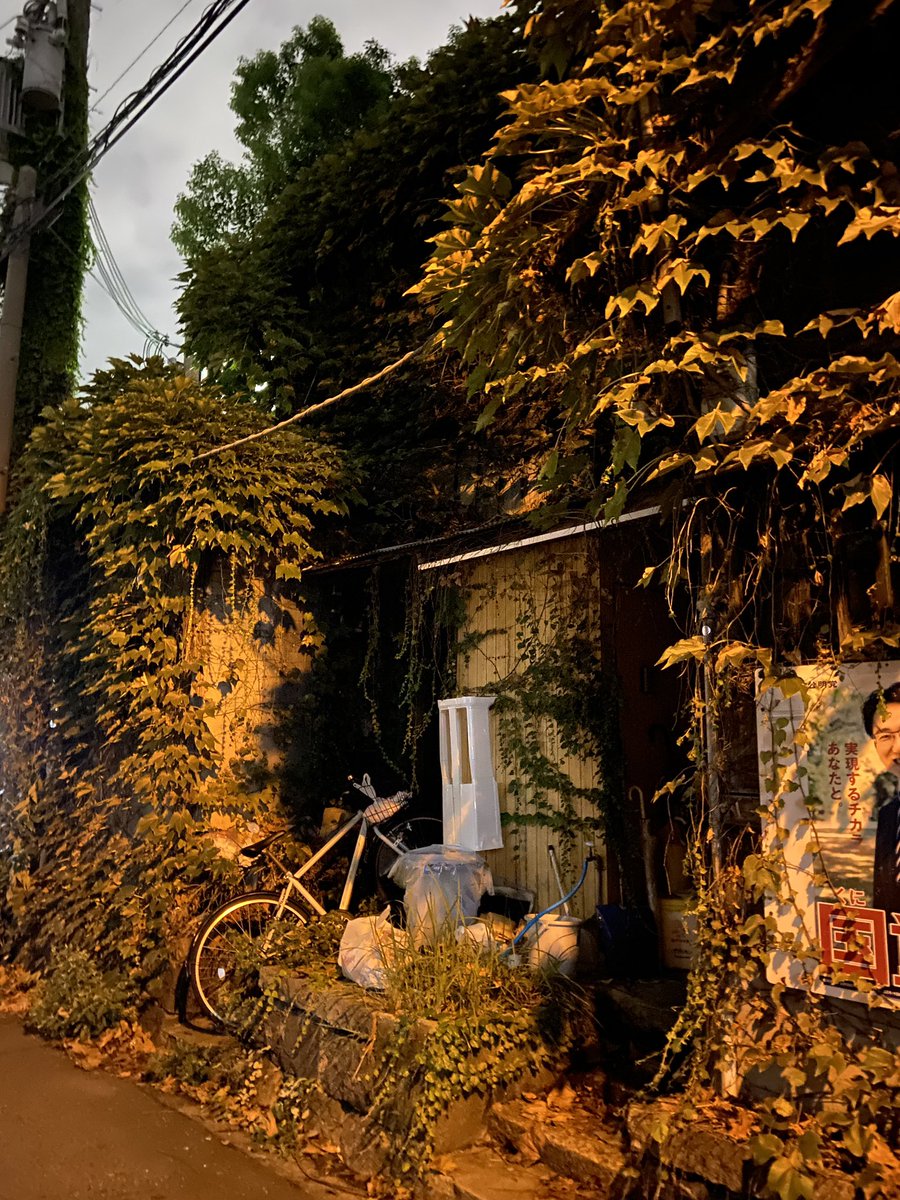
x=384, y=807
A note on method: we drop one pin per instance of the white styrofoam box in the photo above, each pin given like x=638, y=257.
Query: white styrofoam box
x=471, y=801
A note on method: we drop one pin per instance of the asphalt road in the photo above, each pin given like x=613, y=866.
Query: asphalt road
x=68, y=1134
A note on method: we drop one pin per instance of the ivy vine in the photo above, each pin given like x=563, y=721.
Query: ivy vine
x=113, y=774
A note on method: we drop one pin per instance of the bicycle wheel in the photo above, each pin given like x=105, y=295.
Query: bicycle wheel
x=412, y=833
x=229, y=948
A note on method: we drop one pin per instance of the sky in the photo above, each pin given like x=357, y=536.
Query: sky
x=135, y=187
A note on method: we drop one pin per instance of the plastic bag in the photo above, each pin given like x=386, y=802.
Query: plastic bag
x=369, y=944
x=443, y=888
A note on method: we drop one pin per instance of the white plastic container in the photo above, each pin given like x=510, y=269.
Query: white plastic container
x=678, y=933
x=470, y=796
x=443, y=886
x=553, y=945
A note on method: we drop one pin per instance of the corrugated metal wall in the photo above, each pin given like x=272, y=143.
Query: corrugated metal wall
x=509, y=597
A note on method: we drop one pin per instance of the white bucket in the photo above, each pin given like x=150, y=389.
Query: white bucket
x=678, y=933
x=553, y=945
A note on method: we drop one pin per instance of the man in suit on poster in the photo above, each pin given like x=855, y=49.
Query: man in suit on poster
x=881, y=718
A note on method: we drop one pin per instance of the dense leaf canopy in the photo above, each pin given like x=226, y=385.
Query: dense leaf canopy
x=292, y=105
x=699, y=244
x=313, y=300
x=119, y=541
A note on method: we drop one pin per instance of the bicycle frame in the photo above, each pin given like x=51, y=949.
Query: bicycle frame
x=293, y=884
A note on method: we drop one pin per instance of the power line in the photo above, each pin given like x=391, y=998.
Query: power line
x=134, y=62
x=154, y=341
x=109, y=275
x=314, y=408
x=214, y=19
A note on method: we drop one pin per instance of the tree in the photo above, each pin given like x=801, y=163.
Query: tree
x=291, y=106
x=695, y=257
x=313, y=299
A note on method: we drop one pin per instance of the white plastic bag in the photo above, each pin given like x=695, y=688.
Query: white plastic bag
x=367, y=945
x=443, y=888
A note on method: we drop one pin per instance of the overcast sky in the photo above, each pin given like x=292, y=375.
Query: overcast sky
x=135, y=187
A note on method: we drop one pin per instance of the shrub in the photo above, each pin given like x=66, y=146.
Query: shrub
x=77, y=1000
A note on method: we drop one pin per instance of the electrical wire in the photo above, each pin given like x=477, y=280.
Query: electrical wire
x=214, y=19
x=134, y=62
x=154, y=342
x=109, y=275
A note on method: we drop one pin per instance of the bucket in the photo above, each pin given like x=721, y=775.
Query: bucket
x=677, y=934
x=553, y=945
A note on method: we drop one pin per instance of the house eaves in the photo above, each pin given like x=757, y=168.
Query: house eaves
x=405, y=549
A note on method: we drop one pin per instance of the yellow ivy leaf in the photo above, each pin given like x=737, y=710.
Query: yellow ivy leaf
x=794, y=222
x=681, y=273
x=704, y=426
x=747, y=453
x=652, y=234
x=734, y=654
x=881, y=493
x=869, y=221
x=688, y=648
x=887, y=314
x=705, y=459
x=639, y=293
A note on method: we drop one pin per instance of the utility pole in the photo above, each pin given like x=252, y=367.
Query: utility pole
x=11, y=321
x=53, y=38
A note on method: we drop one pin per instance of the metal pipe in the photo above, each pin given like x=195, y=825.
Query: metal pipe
x=551, y=851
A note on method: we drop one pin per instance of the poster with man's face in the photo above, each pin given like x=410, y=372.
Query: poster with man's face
x=829, y=766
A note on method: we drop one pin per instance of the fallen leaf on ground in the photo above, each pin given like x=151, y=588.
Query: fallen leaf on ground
x=562, y=1097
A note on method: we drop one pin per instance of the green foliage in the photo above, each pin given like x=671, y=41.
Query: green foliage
x=76, y=1000
x=452, y=977
x=657, y=258
x=140, y=553
x=292, y=105
x=313, y=299
x=557, y=703
x=485, y=1036
x=60, y=254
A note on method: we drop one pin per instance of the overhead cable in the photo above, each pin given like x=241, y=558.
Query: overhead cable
x=215, y=18
x=154, y=342
x=109, y=275
x=134, y=62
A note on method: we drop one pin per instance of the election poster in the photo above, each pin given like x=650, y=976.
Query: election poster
x=829, y=768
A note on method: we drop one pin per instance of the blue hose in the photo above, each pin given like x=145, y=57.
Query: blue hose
x=549, y=909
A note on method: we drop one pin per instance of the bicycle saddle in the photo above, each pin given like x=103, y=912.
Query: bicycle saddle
x=255, y=849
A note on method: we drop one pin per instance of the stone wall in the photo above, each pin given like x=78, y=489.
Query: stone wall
x=337, y=1037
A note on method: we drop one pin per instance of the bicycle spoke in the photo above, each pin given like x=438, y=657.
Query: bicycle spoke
x=226, y=958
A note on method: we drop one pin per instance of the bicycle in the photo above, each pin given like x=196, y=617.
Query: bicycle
x=243, y=929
